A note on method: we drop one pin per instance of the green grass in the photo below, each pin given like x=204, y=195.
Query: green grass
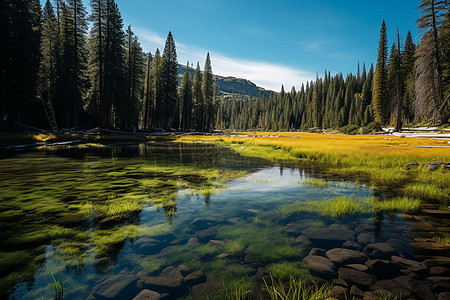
x=286, y=270
x=315, y=182
x=343, y=205
x=295, y=289
x=428, y=192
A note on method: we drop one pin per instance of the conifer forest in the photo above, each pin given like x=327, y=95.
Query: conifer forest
x=64, y=68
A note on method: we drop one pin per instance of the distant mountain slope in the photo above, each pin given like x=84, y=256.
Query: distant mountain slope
x=229, y=85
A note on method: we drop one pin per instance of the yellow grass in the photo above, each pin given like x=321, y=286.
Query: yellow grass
x=380, y=159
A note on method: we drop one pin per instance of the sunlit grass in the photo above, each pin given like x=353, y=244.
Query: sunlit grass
x=428, y=191
x=295, y=289
x=343, y=205
x=377, y=158
x=443, y=240
x=315, y=182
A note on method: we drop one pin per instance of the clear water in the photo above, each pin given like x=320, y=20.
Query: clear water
x=202, y=191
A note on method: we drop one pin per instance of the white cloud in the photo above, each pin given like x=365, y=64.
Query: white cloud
x=267, y=75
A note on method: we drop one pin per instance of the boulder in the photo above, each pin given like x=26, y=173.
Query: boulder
x=147, y=295
x=342, y=256
x=355, y=277
x=340, y=282
x=437, y=261
x=320, y=266
x=352, y=245
x=318, y=252
x=439, y=284
x=194, y=278
x=70, y=220
x=359, y=267
x=202, y=290
x=366, y=238
x=439, y=271
x=304, y=241
x=383, y=269
x=328, y=238
x=193, y=241
x=207, y=234
x=339, y=292
x=169, y=281
x=379, y=250
x=356, y=292
x=116, y=287
x=414, y=266
x=184, y=270
x=390, y=288
x=370, y=296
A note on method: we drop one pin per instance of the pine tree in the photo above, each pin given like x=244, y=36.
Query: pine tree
x=50, y=56
x=147, y=97
x=408, y=71
x=380, y=85
x=208, y=95
x=444, y=38
x=169, y=91
x=197, y=97
x=157, y=91
x=429, y=89
x=186, y=102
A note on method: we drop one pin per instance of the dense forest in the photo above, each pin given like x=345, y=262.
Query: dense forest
x=409, y=85
x=54, y=73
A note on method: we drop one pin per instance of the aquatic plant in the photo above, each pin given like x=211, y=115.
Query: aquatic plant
x=344, y=205
x=315, y=182
x=56, y=286
x=296, y=289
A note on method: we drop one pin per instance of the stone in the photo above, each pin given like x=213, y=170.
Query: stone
x=304, y=241
x=379, y=250
x=439, y=271
x=169, y=281
x=222, y=255
x=318, y=252
x=217, y=242
x=184, y=270
x=339, y=292
x=370, y=296
x=206, y=234
x=193, y=241
x=194, y=278
x=70, y=220
x=355, y=277
x=199, y=222
x=147, y=295
x=352, y=245
x=116, y=287
x=341, y=256
x=390, y=288
x=359, y=267
x=320, y=266
x=423, y=292
x=439, y=284
x=356, y=292
x=328, y=238
x=414, y=266
x=383, y=269
x=366, y=238
x=340, y=282
x=149, y=248
x=437, y=261
x=399, y=245
x=202, y=290
x=444, y=296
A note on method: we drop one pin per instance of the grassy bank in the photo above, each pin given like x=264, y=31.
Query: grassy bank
x=380, y=159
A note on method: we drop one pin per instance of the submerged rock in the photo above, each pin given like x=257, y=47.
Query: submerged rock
x=383, y=269
x=379, y=250
x=169, y=281
x=355, y=277
x=70, y=220
x=320, y=266
x=414, y=266
x=147, y=295
x=116, y=287
x=342, y=256
x=194, y=278
x=328, y=238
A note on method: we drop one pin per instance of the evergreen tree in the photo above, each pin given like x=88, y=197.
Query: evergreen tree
x=186, y=102
x=444, y=38
x=147, y=97
x=157, y=91
x=169, y=91
x=380, y=85
x=208, y=95
x=408, y=72
x=197, y=97
x=429, y=89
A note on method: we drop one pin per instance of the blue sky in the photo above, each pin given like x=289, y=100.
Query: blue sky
x=271, y=42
